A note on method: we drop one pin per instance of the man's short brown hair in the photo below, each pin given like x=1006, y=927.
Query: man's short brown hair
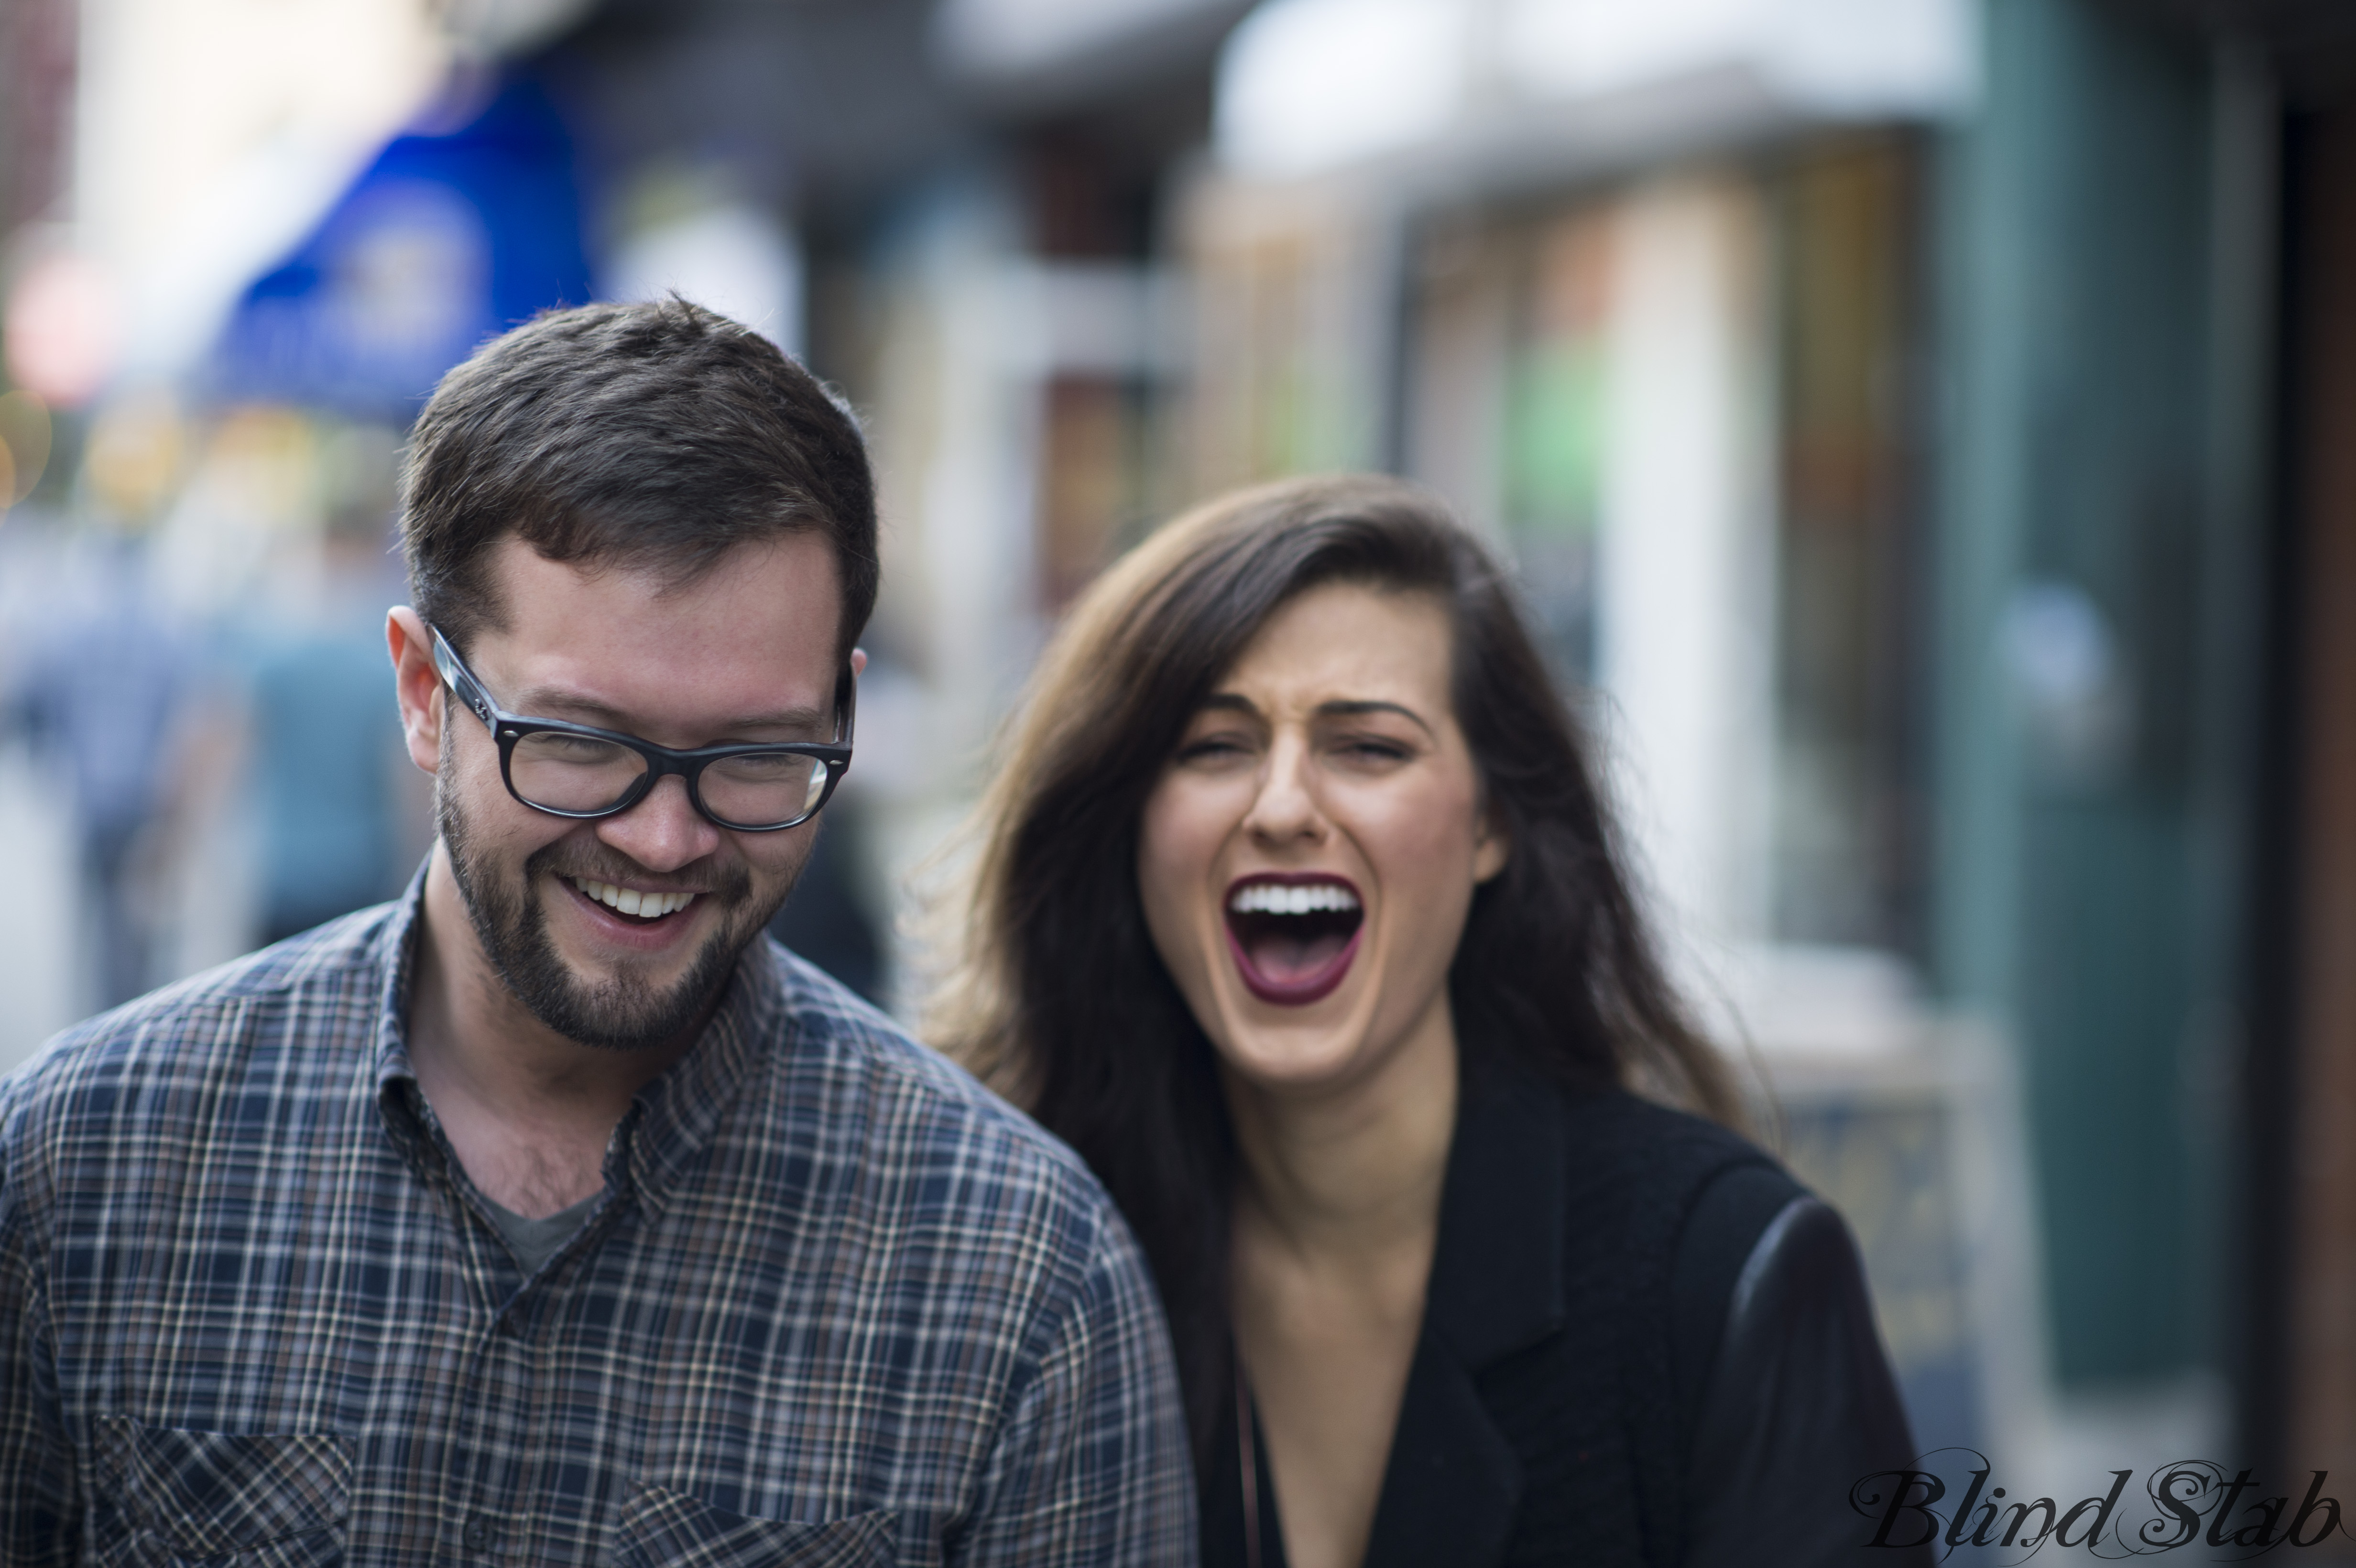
x=658, y=436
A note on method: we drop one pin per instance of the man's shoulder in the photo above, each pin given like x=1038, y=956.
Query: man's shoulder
x=914, y=1115
x=190, y=1036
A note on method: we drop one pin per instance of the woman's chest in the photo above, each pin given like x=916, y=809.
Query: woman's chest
x=1327, y=1371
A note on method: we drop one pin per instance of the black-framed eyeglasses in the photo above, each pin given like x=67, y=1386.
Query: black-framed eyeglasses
x=581, y=771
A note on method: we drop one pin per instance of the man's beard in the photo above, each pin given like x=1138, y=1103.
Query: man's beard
x=625, y=1012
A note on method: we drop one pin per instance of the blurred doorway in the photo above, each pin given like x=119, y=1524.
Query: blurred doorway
x=2300, y=1393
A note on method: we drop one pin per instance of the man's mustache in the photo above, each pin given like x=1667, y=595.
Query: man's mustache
x=561, y=859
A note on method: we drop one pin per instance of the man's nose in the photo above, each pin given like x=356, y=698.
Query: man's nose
x=662, y=832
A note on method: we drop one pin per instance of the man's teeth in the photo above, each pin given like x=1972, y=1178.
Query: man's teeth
x=629, y=901
x=1274, y=898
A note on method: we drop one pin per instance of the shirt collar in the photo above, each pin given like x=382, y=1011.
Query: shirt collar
x=676, y=1115
x=662, y=1137
x=396, y=963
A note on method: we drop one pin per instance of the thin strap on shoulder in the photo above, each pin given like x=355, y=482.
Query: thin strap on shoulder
x=1248, y=1458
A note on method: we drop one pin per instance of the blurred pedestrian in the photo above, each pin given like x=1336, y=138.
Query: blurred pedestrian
x=826, y=920
x=324, y=745
x=100, y=694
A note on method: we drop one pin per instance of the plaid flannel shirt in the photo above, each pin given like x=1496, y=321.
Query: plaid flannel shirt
x=835, y=1305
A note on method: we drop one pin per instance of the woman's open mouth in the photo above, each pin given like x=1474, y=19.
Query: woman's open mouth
x=1293, y=934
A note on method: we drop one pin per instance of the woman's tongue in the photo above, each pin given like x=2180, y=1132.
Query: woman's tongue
x=1284, y=957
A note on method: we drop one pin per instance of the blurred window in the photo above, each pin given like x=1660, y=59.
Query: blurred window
x=1509, y=408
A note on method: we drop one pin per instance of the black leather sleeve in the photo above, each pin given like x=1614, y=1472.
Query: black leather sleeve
x=1797, y=1405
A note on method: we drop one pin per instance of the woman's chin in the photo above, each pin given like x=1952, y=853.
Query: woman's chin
x=1354, y=1036
x=1302, y=1050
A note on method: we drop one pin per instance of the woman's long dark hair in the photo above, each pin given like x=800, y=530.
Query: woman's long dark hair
x=1059, y=998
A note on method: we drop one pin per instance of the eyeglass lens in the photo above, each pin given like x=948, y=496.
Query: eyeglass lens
x=580, y=774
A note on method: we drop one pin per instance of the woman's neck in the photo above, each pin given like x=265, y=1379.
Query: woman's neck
x=1353, y=1171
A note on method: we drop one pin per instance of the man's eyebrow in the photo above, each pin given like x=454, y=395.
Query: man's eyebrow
x=1340, y=708
x=548, y=702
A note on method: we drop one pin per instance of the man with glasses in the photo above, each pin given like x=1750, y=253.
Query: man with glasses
x=550, y=1214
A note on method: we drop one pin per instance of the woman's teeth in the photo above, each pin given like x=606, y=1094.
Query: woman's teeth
x=1293, y=940
x=629, y=901
x=1276, y=898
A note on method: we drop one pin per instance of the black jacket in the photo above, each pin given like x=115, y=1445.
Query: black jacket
x=1643, y=1344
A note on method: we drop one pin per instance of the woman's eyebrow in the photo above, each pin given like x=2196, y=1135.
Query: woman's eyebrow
x=1340, y=708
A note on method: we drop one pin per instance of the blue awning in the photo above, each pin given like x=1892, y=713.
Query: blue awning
x=446, y=240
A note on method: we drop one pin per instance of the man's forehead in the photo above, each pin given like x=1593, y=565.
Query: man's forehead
x=762, y=613
x=522, y=579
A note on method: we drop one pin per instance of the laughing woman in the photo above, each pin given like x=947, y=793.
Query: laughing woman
x=1298, y=915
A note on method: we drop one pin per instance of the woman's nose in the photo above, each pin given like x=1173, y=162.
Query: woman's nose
x=1286, y=807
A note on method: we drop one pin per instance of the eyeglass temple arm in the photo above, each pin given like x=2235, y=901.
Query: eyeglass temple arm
x=461, y=684
x=846, y=704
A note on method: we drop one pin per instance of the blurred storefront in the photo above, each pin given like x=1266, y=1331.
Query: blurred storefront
x=1647, y=301
x=1876, y=403
x=1917, y=423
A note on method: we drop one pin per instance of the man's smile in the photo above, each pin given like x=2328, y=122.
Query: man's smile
x=646, y=921
x=645, y=906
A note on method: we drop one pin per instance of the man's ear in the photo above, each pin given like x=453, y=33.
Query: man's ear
x=417, y=684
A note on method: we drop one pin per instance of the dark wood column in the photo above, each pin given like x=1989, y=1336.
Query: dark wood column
x=2317, y=1363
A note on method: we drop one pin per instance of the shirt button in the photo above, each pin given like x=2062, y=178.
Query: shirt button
x=477, y=1533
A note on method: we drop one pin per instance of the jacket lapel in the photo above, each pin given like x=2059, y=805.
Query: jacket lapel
x=1453, y=1484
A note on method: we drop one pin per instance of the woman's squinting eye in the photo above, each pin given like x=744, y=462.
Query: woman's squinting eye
x=1373, y=749
x=1221, y=746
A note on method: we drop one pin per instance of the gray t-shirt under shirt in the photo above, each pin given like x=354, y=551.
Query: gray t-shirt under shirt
x=534, y=1241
